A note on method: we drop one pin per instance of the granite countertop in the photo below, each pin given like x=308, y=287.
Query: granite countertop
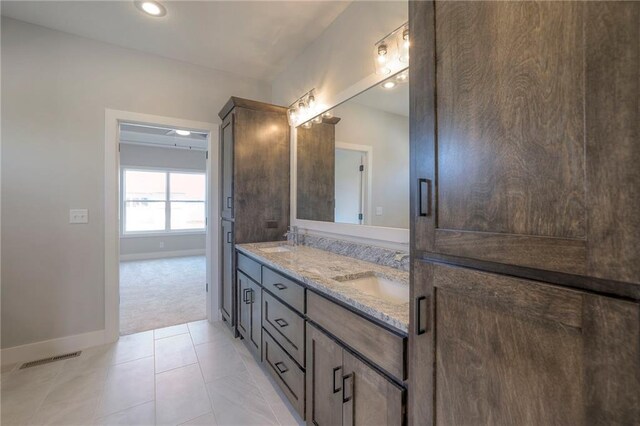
x=318, y=269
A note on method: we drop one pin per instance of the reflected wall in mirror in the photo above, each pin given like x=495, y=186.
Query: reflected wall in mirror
x=353, y=162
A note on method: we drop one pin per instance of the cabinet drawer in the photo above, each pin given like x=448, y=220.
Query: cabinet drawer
x=284, y=288
x=285, y=371
x=375, y=343
x=250, y=267
x=284, y=325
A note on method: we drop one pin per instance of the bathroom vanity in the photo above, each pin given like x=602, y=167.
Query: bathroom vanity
x=330, y=329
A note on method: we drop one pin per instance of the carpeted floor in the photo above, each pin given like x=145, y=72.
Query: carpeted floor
x=161, y=292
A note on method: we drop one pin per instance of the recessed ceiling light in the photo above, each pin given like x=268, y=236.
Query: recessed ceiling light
x=389, y=84
x=152, y=8
x=183, y=132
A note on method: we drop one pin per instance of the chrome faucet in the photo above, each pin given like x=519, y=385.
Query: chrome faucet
x=292, y=235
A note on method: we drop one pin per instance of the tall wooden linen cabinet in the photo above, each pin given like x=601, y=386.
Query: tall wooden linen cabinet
x=525, y=232
x=254, y=190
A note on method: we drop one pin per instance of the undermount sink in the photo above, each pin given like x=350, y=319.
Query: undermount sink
x=278, y=249
x=378, y=286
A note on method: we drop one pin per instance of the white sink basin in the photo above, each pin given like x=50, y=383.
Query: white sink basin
x=278, y=249
x=378, y=286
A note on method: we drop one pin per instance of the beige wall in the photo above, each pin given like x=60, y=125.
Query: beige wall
x=171, y=158
x=55, y=88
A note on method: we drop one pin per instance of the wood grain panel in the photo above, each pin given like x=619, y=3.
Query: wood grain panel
x=287, y=374
x=285, y=289
x=535, y=252
x=523, y=297
x=285, y=326
x=379, y=346
x=510, y=90
x=315, y=156
x=261, y=175
x=613, y=132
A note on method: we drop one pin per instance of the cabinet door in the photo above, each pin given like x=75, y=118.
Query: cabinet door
x=324, y=379
x=244, y=305
x=512, y=351
x=369, y=398
x=227, y=262
x=255, y=323
x=226, y=159
x=532, y=158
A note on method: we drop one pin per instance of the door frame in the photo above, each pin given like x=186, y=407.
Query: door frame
x=113, y=118
x=368, y=149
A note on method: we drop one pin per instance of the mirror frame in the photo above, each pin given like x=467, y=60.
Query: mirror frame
x=396, y=238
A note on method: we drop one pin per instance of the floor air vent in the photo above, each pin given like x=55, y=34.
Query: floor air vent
x=50, y=359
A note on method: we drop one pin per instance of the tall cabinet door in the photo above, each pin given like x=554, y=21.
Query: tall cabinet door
x=532, y=158
x=244, y=304
x=227, y=262
x=324, y=379
x=493, y=349
x=227, y=157
x=368, y=397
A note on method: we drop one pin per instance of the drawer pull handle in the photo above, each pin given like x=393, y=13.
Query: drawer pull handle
x=336, y=370
x=229, y=202
x=280, y=286
x=346, y=399
x=229, y=237
x=249, y=297
x=281, y=322
x=281, y=367
x=421, y=302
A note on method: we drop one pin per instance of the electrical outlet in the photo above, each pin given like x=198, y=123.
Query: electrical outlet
x=378, y=211
x=78, y=216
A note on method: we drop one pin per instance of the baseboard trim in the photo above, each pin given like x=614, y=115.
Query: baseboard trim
x=162, y=254
x=47, y=348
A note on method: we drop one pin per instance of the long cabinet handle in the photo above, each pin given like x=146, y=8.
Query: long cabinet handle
x=249, y=298
x=229, y=202
x=244, y=295
x=336, y=370
x=229, y=239
x=352, y=378
x=422, y=304
x=281, y=367
x=424, y=197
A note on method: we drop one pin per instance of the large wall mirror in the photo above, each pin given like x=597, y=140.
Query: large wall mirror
x=352, y=163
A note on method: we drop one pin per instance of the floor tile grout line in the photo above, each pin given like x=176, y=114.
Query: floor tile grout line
x=46, y=394
x=213, y=412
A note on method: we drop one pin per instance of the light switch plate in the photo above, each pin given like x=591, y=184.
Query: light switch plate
x=78, y=216
x=378, y=211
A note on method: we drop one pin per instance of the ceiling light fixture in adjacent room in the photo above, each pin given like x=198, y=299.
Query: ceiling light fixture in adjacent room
x=389, y=84
x=151, y=8
x=183, y=132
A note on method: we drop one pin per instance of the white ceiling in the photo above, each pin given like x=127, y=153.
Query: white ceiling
x=161, y=136
x=251, y=38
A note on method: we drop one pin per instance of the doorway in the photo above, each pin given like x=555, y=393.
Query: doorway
x=161, y=187
x=352, y=171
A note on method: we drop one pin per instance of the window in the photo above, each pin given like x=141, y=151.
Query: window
x=163, y=201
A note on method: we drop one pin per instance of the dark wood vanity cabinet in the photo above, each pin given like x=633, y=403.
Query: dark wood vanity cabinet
x=254, y=184
x=495, y=349
x=532, y=158
x=525, y=213
x=344, y=390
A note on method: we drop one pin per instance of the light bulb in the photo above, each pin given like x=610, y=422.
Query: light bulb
x=382, y=53
x=402, y=77
x=311, y=102
x=183, y=132
x=152, y=8
x=317, y=119
x=327, y=114
x=307, y=125
x=389, y=84
x=405, y=38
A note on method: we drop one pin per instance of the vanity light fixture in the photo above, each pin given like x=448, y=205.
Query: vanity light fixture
x=183, y=132
x=307, y=125
x=152, y=8
x=392, y=51
x=327, y=114
x=304, y=109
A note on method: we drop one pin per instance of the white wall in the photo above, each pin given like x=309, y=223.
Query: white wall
x=55, y=88
x=132, y=247
x=388, y=136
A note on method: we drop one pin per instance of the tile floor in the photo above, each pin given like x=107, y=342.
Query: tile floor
x=191, y=374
